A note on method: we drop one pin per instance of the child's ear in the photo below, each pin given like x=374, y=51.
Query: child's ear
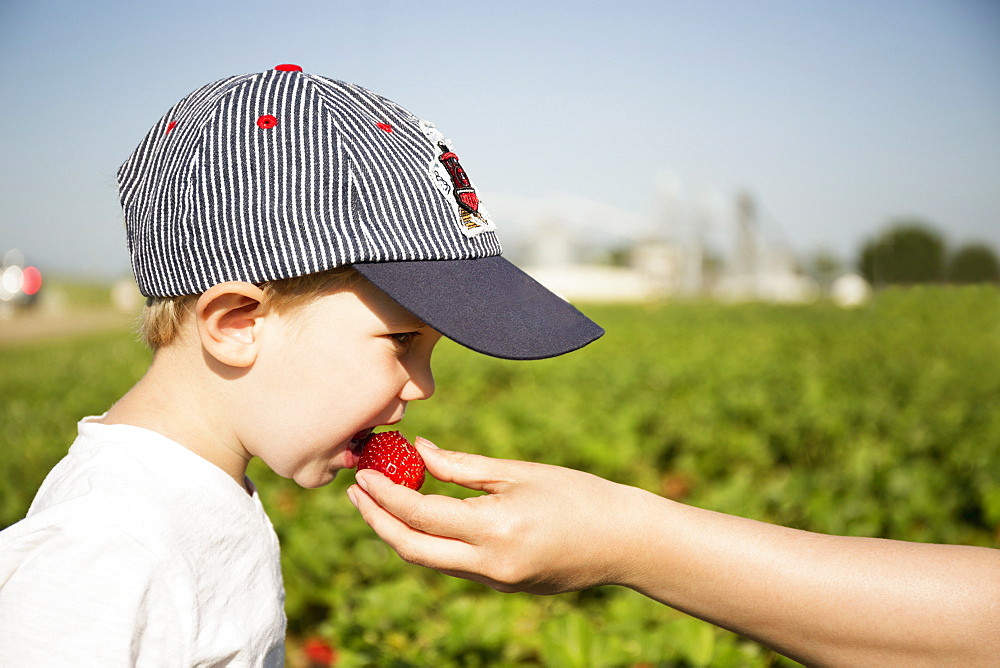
x=228, y=317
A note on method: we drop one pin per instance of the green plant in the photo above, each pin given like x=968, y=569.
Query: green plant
x=881, y=421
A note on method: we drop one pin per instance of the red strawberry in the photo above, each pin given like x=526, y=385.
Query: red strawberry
x=390, y=453
x=318, y=653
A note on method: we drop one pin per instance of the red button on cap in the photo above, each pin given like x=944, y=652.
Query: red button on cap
x=288, y=68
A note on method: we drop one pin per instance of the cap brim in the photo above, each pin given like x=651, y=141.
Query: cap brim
x=486, y=304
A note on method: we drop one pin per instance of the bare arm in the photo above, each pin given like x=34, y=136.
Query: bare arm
x=816, y=598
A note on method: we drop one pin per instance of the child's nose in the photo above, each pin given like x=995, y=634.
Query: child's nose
x=420, y=384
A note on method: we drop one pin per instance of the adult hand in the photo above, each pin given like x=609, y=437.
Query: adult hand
x=539, y=528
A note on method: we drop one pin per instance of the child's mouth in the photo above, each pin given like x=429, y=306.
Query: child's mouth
x=358, y=441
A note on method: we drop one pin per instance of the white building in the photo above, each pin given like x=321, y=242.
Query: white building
x=563, y=241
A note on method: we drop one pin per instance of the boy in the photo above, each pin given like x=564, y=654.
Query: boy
x=303, y=244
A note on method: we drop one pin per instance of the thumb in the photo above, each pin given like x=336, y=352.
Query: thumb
x=484, y=474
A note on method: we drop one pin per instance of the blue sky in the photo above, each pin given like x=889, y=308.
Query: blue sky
x=837, y=116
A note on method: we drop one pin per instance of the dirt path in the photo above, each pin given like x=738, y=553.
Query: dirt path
x=39, y=325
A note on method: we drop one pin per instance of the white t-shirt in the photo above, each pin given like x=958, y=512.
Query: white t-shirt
x=136, y=551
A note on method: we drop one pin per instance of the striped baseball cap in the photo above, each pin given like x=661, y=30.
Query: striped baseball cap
x=264, y=176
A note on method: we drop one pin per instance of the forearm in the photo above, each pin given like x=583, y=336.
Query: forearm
x=821, y=599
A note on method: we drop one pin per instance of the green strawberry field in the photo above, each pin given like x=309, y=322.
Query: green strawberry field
x=880, y=421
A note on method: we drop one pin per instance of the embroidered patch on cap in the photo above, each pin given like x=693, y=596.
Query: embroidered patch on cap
x=450, y=178
x=464, y=192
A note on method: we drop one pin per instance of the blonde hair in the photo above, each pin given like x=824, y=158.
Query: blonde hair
x=162, y=317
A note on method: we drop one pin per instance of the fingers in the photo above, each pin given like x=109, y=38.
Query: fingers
x=484, y=474
x=427, y=513
x=472, y=471
x=451, y=556
x=413, y=545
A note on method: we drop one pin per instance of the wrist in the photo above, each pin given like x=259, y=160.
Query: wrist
x=635, y=552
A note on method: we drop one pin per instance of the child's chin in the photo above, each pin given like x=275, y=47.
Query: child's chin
x=313, y=481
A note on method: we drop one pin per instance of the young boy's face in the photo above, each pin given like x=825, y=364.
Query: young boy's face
x=329, y=373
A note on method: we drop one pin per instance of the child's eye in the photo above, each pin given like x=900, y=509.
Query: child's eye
x=404, y=338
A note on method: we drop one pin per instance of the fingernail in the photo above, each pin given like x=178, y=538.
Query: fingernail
x=424, y=442
x=352, y=495
x=359, y=478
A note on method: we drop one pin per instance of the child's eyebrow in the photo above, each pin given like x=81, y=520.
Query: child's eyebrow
x=407, y=323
